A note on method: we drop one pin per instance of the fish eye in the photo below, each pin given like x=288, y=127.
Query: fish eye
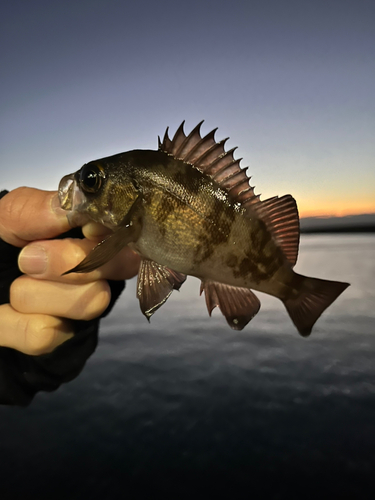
x=91, y=177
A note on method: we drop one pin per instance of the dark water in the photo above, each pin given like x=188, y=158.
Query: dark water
x=185, y=405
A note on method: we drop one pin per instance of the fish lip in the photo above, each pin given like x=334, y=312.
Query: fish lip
x=72, y=200
x=65, y=191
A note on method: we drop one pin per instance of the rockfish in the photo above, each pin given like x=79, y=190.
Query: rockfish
x=188, y=209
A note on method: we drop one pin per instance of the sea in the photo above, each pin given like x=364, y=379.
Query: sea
x=184, y=406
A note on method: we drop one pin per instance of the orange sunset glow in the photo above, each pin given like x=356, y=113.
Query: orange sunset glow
x=334, y=210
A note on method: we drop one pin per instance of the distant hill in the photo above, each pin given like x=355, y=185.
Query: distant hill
x=364, y=223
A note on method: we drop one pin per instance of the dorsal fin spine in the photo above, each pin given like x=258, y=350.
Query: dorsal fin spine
x=220, y=156
x=196, y=130
x=225, y=168
x=206, y=139
x=245, y=182
x=234, y=174
x=166, y=144
x=179, y=131
x=178, y=138
x=217, y=145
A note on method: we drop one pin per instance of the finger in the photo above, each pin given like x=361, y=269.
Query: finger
x=82, y=302
x=28, y=214
x=33, y=334
x=95, y=232
x=49, y=259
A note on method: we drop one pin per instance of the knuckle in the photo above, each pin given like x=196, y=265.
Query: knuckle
x=17, y=293
x=73, y=253
x=80, y=250
x=97, y=301
x=40, y=337
x=14, y=203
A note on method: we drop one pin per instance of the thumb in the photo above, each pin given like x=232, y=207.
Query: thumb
x=28, y=214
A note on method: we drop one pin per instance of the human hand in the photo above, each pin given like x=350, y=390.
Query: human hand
x=42, y=301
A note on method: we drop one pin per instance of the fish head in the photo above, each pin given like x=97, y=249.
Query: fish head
x=99, y=191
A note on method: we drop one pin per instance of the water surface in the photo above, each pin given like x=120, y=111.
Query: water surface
x=186, y=403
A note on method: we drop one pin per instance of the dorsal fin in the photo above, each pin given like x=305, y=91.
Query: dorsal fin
x=210, y=157
x=281, y=218
x=205, y=154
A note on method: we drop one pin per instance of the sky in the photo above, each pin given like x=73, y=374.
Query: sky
x=292, y=83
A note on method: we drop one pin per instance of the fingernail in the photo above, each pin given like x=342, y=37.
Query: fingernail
x=56, y=206
x=33, y=260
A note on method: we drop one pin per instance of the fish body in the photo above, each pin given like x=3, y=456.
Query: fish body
x=188, y=209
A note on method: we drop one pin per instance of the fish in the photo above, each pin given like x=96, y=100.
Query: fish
x=188, y=208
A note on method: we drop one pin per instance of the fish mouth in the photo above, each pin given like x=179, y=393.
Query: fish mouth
x=72, y=200
x=66, y=187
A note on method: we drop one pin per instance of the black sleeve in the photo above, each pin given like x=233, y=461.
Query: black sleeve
x=21, y=375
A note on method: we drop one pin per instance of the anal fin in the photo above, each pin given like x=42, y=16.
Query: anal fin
x=155, y=284
x=238, y=305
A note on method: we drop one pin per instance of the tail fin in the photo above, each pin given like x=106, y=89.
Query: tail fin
x=314, y=298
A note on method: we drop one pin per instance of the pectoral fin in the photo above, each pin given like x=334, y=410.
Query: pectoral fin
x=155, y=284
x=238, y=305
x=128, y=232
x=106, y=250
